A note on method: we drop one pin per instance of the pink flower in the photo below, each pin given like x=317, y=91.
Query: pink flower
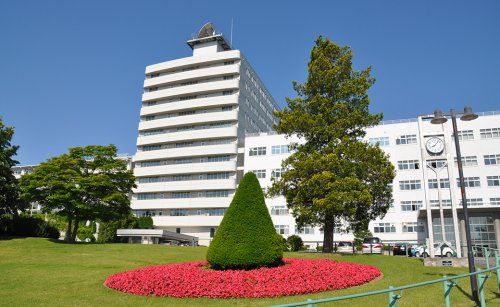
x=191, y=279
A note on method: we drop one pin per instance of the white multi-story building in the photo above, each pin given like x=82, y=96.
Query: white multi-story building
x=194, y=116
x=415, y=188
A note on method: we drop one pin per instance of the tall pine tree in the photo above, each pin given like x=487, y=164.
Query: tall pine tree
x=334, y=174
x=9, y=190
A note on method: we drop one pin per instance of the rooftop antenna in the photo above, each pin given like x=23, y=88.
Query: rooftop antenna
x=231, y=43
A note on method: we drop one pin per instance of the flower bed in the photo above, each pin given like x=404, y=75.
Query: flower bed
x=192, y=279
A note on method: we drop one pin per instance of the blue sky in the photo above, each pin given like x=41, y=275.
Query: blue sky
x=71, y=72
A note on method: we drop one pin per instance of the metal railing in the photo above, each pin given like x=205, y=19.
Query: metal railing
x=448, y=283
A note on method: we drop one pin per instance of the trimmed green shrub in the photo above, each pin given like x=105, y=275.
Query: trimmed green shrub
x=27, y=226
x=107, y=230
x=246, y=237
x=145, y=222
x=294, y=243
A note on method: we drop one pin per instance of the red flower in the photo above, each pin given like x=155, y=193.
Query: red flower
x=190, y=279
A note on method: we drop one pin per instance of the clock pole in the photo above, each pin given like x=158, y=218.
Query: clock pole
x=470, y=255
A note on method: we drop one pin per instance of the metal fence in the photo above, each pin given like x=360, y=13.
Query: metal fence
x=448, y=283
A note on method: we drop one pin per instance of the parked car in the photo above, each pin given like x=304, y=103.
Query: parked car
x=345, y=247
x=400, y=249
x=445, y=247
x=372, y=245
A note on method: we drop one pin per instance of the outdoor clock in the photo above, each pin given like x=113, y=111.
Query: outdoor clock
x=434, y=145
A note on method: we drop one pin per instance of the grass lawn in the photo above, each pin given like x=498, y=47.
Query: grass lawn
x=35, y=271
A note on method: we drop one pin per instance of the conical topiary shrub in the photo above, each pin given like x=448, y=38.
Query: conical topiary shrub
x=246, y=237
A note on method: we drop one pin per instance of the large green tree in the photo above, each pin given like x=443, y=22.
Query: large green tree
x=333, y=174
x=9, y=190
x=88, y=183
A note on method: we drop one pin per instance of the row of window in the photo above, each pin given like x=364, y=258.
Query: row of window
x=415, y=205
x=186, y=113
x=275, y=150
x=185, y=144
x=469, y=182
x=209, y=159
x=275, y=173
x=187, y=128
x=487, y=133
x=209, y=176
x=183, y=212
x=466, y=161
x=189, y=68
x=168, y=195
x=406, y=227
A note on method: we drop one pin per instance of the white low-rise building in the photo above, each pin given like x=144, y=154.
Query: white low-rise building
x=415, y=187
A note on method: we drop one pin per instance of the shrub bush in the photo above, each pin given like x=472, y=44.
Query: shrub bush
x=246, y=237
x=145, y=222
x=107, y=230
x=295, y=243
x=27, y=226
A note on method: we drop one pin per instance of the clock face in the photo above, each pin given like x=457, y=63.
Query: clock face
x=435, y=145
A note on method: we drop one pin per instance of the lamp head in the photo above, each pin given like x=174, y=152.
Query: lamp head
x=468, y=114
x=438, y=117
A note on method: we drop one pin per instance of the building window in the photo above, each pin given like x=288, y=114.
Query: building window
x=465, y=135
x=281, y=229
x=380, y=141
x=215, y=176
x=229, y=62
x=413, y=227
x=181, y=194
x=492, y=159
x=257, y=151
x=225, y=93
x=177, y=230
x=221, y=193
x=280, y=149
x=470, y=182
x=279, y=210
x=482, y=230
x=149, y=117
x=468, y=161
x=405, y=185
x=218, y=159
x=493, y=181
x=495, y=201
x=212, y=232
x=490, y=133
x=444, y=202
x=412, y=205
x=443, y=183
x=384, y=228
x=277, y=172
x=306, y=230
x=260, y=173
x=408, y=164
x=473, y=202
x=407, y=139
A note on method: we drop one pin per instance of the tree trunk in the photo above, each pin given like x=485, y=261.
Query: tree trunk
x=75, y=230
x=328, y=234
x=67, y=236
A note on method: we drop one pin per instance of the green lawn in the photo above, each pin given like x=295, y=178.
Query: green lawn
x=36, y=271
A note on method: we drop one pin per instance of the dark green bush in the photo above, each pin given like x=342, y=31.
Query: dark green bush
x=246, y=237
x=295, y=243
x=107, y=230
x=145, y=222
x=284, y=244
x=27, y=226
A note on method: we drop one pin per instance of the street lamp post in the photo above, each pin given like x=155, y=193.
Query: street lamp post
x=468, y=115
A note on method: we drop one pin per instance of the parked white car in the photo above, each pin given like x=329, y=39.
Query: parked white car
x=372, y=246
x=445, y=247
x=345, y=247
